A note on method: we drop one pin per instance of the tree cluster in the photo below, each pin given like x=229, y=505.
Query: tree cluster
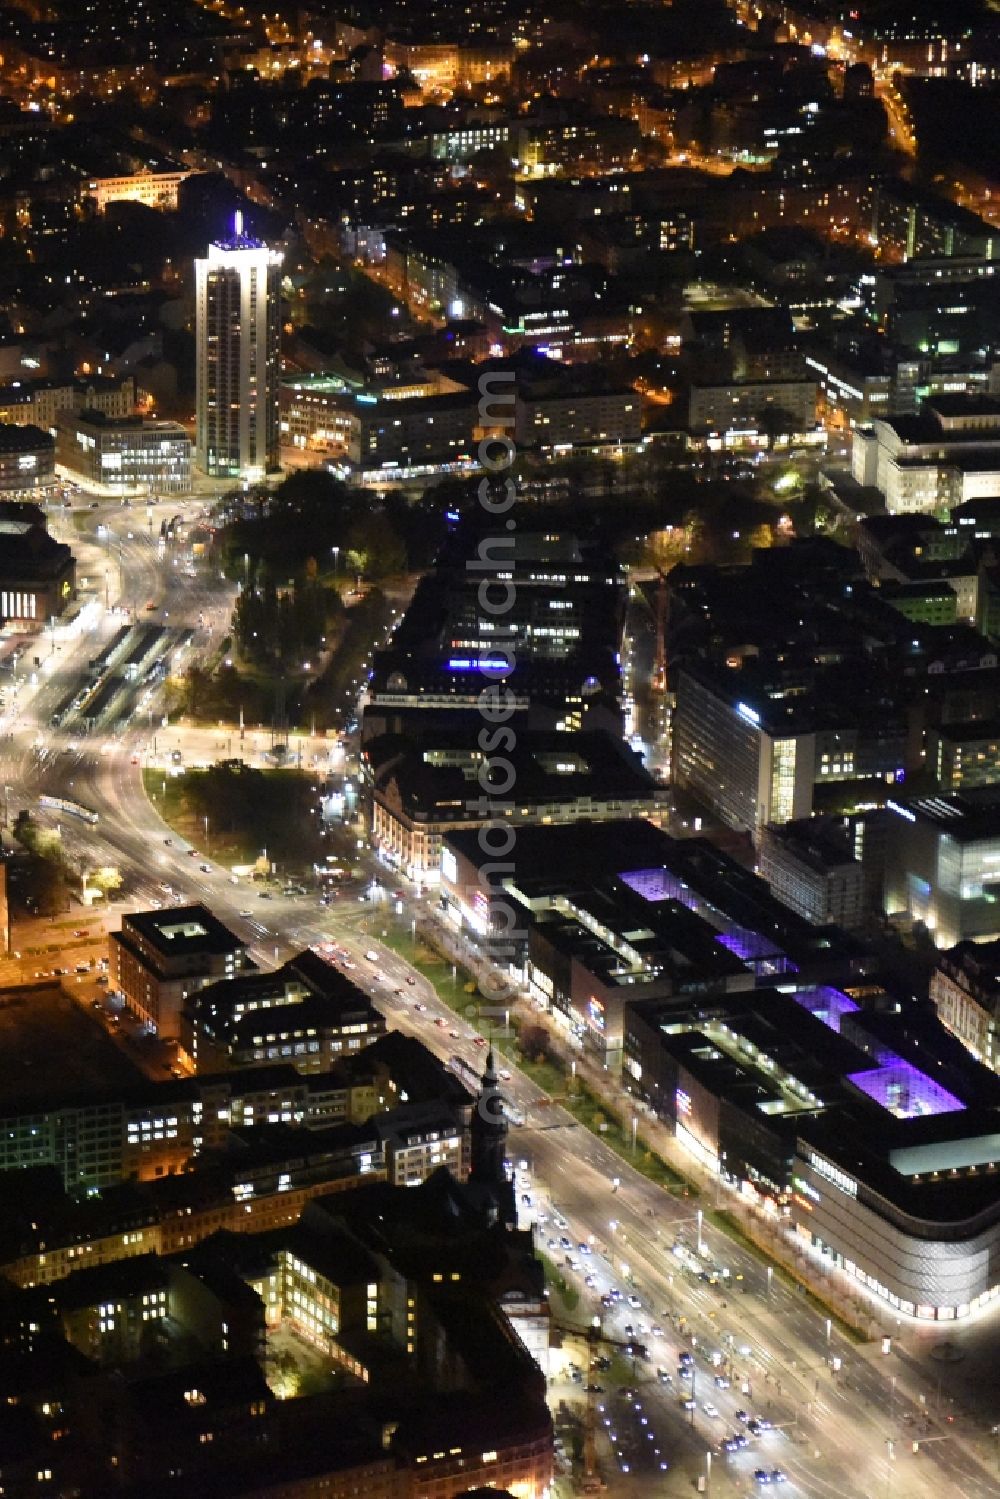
x=274, y=625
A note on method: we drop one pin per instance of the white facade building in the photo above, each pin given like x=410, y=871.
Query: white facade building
x=947, y=455
x=238, y=312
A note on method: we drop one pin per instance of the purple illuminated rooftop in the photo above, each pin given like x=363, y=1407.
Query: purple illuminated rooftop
x=754, y=949
x=748, y=946
x=659, y=884
x=827, y=1004
x=905, y=1091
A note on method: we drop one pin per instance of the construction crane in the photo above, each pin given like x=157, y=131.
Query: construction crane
x=595, y=1339
x=661, y=604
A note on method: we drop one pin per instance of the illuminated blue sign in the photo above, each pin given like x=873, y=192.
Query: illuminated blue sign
x=748, y=714
x=480, y=663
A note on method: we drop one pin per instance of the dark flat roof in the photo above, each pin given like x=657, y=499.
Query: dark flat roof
x=967, y=816
x=183, y=929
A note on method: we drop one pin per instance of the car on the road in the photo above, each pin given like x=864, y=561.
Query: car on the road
x=410, y=979
x=101, y=978
x=478, y=1040
x=83, y=968
x=245, y=915
x=635, y=1303
x=686, y=1403
x=712, y=1411
x=82, y=932
x=168, y=842
x=192, y=853
x=264, y=895
x=441, y=1022
x=505, y=1077
x=420, y=1007
x=95, y=1004
x=453, y=1034
x=743, y=1416
x=778, y=1476
x=762, y=1475
x=721, y=1382
x=205, y=868
x=371, y=956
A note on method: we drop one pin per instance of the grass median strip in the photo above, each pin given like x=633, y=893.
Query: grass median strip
x=727, y=1224
x=457, y=989
x=556, y=1281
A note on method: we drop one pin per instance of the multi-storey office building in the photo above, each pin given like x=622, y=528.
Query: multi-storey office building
x=942, y=864
x=812, y=868
x=757, y=758
x=27, y=458
x=965, y=755
x=127, y=455
x=238, y=330
x=563, y=629
x=799, y=688
x=160, y=957
x=306, y=1014
x=382, y=425
x=946, y=456
x=420, y=793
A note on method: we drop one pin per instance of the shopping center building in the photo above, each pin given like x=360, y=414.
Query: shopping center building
x=866, y=1129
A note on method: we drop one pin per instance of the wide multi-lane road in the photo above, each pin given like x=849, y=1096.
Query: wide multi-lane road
x=847, y=1432
x=840, y=1432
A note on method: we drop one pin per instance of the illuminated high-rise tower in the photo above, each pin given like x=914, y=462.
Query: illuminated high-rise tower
x=238, y=329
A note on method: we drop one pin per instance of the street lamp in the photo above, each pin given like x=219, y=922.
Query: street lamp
x=701, y=1246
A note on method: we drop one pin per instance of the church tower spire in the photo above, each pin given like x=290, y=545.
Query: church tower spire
x=489, y=1131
